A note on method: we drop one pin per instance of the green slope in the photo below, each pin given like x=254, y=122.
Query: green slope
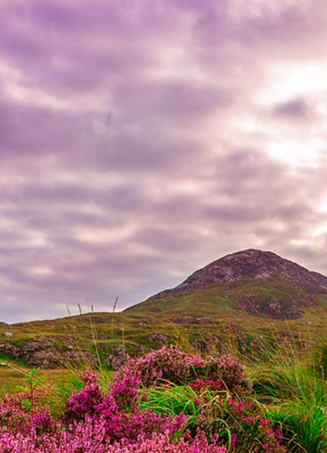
x=272, y=299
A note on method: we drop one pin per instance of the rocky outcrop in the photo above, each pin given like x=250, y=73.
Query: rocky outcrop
x=40, y=352
x=193, y=320
x=120, y=354
x=9, y=350
x=118, y=358
x=287, y=307
x=158, y=338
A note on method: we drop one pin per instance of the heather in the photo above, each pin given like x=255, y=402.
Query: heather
x=166, y=400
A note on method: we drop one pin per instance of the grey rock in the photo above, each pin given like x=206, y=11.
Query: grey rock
x=275, y=309
x=37, y=344
x=118, y=358
x=202, y=347
x=39, y=353
x=9, y=350
x=205, y=321
x=186, y=320
x=43, y=359
x=77, y=356
x=158, y=338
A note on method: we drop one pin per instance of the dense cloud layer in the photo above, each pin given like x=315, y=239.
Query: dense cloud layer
x=142, y=139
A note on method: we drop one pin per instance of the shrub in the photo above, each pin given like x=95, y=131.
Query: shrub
x=84, y=402
x=168, y=363
x=229, y=371
x=174, y=366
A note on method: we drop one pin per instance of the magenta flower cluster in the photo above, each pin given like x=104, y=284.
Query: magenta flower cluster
x=95, y=421
x=119, y=410
x=166, y=364
x=173, y=365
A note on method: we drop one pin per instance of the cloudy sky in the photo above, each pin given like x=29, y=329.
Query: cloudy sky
x=142, y=139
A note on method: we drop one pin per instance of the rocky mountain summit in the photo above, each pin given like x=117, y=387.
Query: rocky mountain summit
x=251, y=281
x=250, y=264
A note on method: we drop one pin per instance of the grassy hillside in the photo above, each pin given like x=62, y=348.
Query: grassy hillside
x=275, y=299
x=207, y=323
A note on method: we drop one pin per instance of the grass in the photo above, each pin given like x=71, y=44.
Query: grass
x=182, y=399
x=9, y=380
x=294, y=392
x=172, y=399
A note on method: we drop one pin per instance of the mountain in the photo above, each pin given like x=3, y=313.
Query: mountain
x=259, y=282
x=253, y=264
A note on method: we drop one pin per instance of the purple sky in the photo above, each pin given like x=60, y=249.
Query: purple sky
x=142, y=139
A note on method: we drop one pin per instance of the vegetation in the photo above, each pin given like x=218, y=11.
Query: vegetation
x=213, y=411
x=175, y=400
x=231, y=382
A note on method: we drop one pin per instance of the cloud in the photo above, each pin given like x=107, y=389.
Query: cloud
x=141, y=140
x=293, y=109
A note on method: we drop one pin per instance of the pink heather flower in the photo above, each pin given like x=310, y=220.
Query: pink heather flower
x=279, y=435
x=168, y=363
x=233, y=441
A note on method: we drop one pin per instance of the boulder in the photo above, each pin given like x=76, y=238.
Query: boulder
x=8, y=334
x=158, y=338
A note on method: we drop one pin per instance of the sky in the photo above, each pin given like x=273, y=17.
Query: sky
x=143, y=139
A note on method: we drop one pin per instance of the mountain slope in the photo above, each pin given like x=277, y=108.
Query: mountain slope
x=251, y=280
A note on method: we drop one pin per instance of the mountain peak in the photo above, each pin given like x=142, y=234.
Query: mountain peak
x=250, y=264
